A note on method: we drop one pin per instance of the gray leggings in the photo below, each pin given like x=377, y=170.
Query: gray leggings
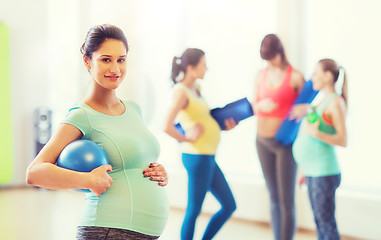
x=104, y=233
x=279, y=171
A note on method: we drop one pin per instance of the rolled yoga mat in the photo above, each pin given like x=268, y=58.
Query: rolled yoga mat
x=6, y=149
x=289, y=129
x=238, y=110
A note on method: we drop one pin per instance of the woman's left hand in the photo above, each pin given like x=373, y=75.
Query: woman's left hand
x=312, y=128
x=230, y=124
x=156, y=172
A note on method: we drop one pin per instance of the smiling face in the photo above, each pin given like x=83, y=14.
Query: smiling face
x=321, y=78
x=107, y=65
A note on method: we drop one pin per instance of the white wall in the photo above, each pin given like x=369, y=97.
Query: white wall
x=349, y=33
x=45, y=62
x=29, y=78
x=63, y=56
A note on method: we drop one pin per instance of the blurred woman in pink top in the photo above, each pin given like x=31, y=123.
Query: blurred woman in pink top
x=276, y=88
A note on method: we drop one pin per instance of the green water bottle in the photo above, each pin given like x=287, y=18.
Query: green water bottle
x=312, y=115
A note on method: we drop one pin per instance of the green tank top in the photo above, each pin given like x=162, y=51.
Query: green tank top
x=312, y=155
x=133, y=202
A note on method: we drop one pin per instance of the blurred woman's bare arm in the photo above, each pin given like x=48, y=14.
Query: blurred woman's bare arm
x=180, y=101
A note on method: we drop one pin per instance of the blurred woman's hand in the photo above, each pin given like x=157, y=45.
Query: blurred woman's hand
x=266, y=105
x=298, y=111
x=194, y=133
x=312, y=129
x=230, y=124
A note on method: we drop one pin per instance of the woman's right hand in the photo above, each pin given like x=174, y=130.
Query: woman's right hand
x=100, y=179
x=194, y=133
x=266, y=105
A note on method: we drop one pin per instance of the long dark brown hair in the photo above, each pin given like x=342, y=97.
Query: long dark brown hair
x=271, y=46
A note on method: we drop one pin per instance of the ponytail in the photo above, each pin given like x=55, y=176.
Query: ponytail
x=344, y=89
x=176, y=69
x=339, y=76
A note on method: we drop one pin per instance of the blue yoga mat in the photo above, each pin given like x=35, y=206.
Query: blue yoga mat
x=238, y=110
x=289, y=129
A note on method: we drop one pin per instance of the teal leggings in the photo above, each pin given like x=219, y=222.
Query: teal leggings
x=204, y=175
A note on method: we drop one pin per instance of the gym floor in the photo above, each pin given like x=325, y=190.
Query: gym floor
x=39, y=214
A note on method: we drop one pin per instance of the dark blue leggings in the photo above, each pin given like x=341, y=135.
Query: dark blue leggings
x=279, y=171
x=321, y=191
x=204, y=175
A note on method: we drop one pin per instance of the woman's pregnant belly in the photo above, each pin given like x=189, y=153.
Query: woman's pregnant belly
x=133, y=202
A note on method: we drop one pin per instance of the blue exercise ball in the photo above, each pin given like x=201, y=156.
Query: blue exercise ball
x=82, y=156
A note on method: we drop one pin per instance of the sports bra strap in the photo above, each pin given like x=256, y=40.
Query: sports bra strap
x=288, y=72
x=285, y=80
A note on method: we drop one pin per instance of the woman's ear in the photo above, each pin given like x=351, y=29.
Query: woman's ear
x=328, y=76
x=86, y=61
x=190, y=69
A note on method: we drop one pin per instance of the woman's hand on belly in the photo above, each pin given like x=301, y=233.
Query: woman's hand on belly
x=266, y=105
x=156, y=172
x=100, y=181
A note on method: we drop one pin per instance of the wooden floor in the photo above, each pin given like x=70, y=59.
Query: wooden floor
x=38, y=214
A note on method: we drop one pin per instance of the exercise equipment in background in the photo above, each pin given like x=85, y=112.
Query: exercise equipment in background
x=238, y=110
x=42, y=127
x=180, y=128
x=82, y=156
x=6, y=139
x=288, y=131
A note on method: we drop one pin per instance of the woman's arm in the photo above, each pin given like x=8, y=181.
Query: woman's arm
x=255, y=92
x=180, y=101
x=297, y=80
x=298, y=111
x=43, y=172
x=336, y=110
